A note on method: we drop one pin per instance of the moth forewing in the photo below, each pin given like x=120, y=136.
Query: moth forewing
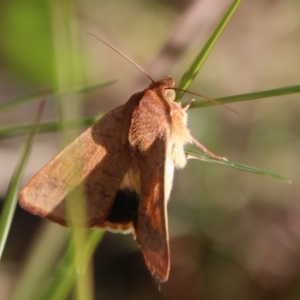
x=158, y=130
x=104, y=162
x=152, y=223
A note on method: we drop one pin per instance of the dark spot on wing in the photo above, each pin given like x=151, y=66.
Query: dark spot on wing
x=125, y=207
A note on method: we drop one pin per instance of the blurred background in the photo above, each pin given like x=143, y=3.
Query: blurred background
x=233, y=235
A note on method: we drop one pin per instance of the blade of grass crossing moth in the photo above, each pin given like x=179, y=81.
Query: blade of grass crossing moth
x=197, y=63
x=87, y=121
x=69, y=74
x=63, y=279
x=13, y=190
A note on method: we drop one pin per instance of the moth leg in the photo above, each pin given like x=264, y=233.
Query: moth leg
x=201, y=147
x=187, y=106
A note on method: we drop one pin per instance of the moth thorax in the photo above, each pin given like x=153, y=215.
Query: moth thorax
x=178, y=155
x=180, y=136
x=169, y=173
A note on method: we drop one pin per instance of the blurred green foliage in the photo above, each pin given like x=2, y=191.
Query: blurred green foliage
x=26, y=50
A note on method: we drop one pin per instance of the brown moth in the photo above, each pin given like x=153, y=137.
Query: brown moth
x=127, y=161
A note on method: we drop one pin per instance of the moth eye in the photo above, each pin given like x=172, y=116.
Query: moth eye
x=170, y=94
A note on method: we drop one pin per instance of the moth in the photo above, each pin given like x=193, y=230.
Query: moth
x=126, y=162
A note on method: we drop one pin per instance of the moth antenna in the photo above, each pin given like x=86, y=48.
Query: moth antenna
x=207, y=98
x=125, y=56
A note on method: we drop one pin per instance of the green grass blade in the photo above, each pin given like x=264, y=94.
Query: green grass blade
x=9, y=104
x=63, y=279
x=7, y=132
x=250, y=96
x=197, y=63
x=32, y=97
x=200, y=155
x=40, y=259
x=69, y=74
x=13, y=190
x=54, y=126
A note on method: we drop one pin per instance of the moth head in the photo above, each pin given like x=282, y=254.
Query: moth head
x=167, y=85
x=164, y=87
